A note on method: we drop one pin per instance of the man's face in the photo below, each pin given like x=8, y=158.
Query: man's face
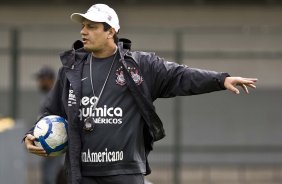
x=45, y=84
x=94, y=38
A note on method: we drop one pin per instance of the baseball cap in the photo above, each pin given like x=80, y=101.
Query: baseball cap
x=98, y=13
x=45, y=71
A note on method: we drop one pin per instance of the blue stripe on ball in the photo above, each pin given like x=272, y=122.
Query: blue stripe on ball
x=42, y=141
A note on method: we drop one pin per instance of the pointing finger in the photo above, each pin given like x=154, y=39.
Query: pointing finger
x=252, y=86
x=245, y=88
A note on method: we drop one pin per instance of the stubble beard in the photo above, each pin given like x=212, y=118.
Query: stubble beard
x=92, y=50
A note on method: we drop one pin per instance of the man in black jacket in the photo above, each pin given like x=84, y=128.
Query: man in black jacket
x=106, y=93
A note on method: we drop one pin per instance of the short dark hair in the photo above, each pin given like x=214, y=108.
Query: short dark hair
x=106, y=28
x=45, y=72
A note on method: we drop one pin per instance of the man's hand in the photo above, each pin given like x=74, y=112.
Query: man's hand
x=30, y=146
x=230, y=83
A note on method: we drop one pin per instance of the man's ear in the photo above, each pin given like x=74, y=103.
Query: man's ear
x=111, y=33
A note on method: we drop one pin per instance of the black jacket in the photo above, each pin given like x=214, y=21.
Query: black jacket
x=162, y=79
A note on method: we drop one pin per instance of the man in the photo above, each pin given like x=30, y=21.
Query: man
x=106, y=92
x=45, y=79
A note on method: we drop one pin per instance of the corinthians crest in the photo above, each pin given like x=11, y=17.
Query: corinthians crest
x=137, y=78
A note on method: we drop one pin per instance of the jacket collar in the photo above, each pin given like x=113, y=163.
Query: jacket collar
x=73, y=56
x=77, y=54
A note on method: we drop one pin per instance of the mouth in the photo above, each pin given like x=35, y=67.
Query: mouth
x=84, y=40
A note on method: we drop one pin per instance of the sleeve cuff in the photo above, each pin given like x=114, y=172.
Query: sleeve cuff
x=222, y=79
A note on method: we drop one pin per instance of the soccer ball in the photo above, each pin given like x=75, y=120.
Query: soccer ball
x=51, y=134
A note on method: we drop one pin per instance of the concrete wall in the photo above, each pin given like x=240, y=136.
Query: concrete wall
x=152, y=16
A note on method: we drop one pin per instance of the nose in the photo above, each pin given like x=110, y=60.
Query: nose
x=83, y=31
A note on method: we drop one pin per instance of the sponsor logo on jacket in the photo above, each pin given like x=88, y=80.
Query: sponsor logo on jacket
x=71, y=98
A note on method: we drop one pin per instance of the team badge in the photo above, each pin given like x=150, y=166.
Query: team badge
x=120, y=80
x=135, y=75
x=120, y=77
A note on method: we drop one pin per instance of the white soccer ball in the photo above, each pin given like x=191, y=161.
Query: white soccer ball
x=51, y=134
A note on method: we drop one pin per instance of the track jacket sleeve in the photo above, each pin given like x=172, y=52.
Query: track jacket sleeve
x=53, y=104
x=169, y=79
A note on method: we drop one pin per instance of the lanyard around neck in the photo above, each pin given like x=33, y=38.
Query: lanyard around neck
x=91, y=80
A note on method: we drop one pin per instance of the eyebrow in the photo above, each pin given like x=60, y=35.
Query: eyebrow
x=89, y=22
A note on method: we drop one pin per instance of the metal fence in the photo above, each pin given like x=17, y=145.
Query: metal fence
x=205, y=141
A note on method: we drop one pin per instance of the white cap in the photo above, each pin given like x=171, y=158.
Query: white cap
x=98, y=13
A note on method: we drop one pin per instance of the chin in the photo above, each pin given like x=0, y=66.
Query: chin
x=87, y=49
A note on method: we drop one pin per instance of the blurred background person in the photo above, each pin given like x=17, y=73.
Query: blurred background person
x=50, y=166
x=45, y=79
